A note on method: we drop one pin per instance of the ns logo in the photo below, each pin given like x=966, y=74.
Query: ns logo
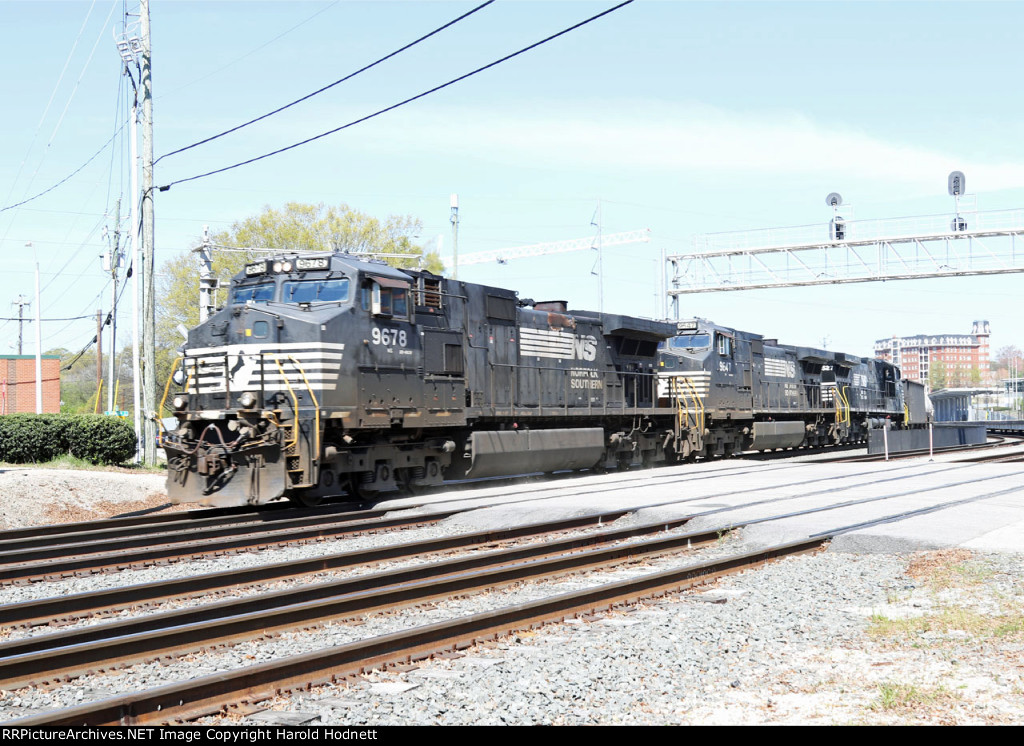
x=585, y=348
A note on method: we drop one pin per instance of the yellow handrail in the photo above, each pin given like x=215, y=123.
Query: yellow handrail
x=698, y=409
x=167, y=387
x=682, y=402
x=295, y=403
x=316, y=405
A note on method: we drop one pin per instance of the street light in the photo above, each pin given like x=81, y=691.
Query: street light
x=39, y=338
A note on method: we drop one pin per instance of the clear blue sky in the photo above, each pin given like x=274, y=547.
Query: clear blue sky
x=681, y=117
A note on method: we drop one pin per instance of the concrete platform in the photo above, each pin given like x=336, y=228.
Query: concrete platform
x=912, y=504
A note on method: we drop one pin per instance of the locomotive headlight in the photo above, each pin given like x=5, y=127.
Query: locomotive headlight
x=180, y=402
x=277, y=266
x=286, y=266
x=247, y=399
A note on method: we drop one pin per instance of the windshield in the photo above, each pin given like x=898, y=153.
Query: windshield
x=255, y=293
x=315, y=291
x=691, y=340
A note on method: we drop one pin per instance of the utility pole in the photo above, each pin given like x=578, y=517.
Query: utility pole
x=21, y=303
x=148, y=225
x=115, y=265
x=455, y=235
x=99, y=359
x=39, y=343
x=600, y=258
x=207, y=282
x=130, y=48
x=133, y=219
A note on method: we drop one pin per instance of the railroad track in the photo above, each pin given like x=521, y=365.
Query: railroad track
x=105, y=546
x=53, y=657
x=81, y=549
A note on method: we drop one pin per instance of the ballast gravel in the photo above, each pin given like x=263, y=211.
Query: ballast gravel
x=832, y=637
x=788, y=643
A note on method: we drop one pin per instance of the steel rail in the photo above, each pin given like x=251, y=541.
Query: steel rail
x=216, y=611
x=135, y=535
x=247, y=515
x=35, y=660
x=23, y=570
x=64, y=608
x=210, y=694
x=129, y=520
x=243, y=616
x=68, y=563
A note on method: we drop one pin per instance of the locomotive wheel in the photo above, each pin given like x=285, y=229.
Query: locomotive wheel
x=306, y=500
x=357, y=491
x=406, y=481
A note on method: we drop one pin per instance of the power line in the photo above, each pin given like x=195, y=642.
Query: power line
x=69, y=176
x=106, y=322
x=249, y=53
x=329, y=86
x=68, y=318
x=49, y=103
x=401, y=103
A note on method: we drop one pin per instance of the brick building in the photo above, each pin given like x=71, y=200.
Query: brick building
x=18, y=383
x=961, y=354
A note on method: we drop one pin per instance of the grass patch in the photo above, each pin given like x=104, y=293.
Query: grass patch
x=948, y=568
x=950, y=619
x=68, y=461
x=895, y=696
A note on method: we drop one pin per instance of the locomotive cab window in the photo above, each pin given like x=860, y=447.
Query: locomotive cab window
x=261, y=293
x=724, y=345
x=695, y=341
x=260, y=329
x=385, y=298
x=315, y=291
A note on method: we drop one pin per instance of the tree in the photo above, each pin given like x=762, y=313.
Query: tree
x=295, y=227
x=1009, y=362
x=78, y=380
x=937, y=375
x=78, y=384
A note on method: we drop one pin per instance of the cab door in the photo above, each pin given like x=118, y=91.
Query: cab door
x=391, y=389
x=726, y=374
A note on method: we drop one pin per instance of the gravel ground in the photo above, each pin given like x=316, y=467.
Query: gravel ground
x=827, y=638
x=831, y=638
x=32, y=497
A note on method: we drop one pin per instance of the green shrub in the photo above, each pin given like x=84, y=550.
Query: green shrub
x=101, y=439
x=25, y=438
x=28, y=438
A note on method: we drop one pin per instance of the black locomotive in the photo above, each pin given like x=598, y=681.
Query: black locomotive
x=325, y=374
